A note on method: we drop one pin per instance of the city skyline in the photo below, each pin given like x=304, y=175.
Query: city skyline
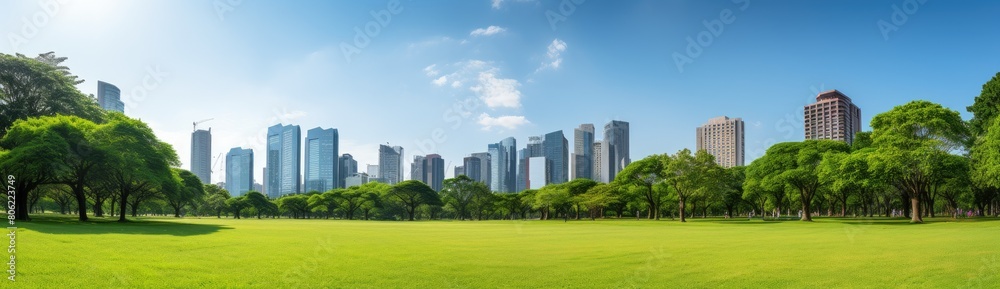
x=597, y=63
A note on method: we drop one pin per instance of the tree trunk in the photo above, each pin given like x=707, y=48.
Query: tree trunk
x=680, y=208
x=915, y=209
x=81, y=201
x=122, y=206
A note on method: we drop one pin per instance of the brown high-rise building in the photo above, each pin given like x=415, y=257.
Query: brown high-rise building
x=832, y=117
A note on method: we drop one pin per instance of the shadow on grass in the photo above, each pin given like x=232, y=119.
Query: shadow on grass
x=54, y=224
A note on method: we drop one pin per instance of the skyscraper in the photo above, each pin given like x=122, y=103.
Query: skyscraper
x=834, y=116
x=537, y=177
x=348, y=167
x=722, y=137
x=390, y=164
x=616, y=133
x=485, y=165
x=239, y=171
x=459, y=170
x=372, y=171
x=283, y=160
x=201, y=155
x=604, y=158
x=583, y=152
x=322, y=159
x=434, y=171
x=417, y=169
x=109, y=97
x=503, y=156
x=555, y=149
x=473, y=168
x=522, y=170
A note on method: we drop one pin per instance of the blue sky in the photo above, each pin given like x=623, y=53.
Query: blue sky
x=450, y=77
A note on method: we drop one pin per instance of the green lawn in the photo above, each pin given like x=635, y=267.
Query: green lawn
x=58, y=252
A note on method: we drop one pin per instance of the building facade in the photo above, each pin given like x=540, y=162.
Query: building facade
x=583, y=152
x=834, y=117
x=503, y=156
x=284, y=159
x=616, y=133
x=537, y=173
x=322, y=169
x=348, y=167
x=239, y=171
x=485, y=161
x=473, y=167
x=390, y=164
x=723, y=138
x=109, y=97
x=555, y=149
x=201, y=155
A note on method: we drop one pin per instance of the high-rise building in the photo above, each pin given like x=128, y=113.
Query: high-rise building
x=583, y=152
x=555, y=149
x=604, y=165
x=109, y=97
x=201, y=155
x=503, y=156
x=390, y=164
x=522, y=170
x=537, y=176
x=257, y=187
x=322, y=159
x=417, y=169
x=485, y=166
x=459, y=170
x=264, y=176
x=239, y=171
x=372, y=171
x=535, y=146
x=473, y=168
x=284, y=146
x=348, y=166
x=434, y=171
x=616, y=133
x=722, y=137
x=834, y=116
x=356, y=179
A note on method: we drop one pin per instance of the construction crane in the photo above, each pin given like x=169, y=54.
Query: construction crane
x=217, y=160
x=195, y=124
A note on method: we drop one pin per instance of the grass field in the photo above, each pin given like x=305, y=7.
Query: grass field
x=59, y=252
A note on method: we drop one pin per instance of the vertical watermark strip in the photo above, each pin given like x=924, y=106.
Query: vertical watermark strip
x=12, y=227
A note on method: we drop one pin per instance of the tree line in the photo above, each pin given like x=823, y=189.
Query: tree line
x=920, y=159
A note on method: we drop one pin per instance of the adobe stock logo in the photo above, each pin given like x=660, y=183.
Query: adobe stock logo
x=32, y=25
x=898, y=17
x=380, y=20
x=713, y=29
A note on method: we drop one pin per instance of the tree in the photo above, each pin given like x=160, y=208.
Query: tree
x=597, y=198
x=986, y=107
x=372, y=193
x=188, y=188
x=460, y=192
x=577, y=188
x=910, y=142
x=297, y=205
x=985, y=167
x=644, y=174
x=412, y=194
x=216, y=198
x=259, y=202
x=237, y=205
x=686, y=174
x=140, y=164
x=56, y=149
x=552, y=196
x=31, y=88
x=793, y=165
x=732, y=188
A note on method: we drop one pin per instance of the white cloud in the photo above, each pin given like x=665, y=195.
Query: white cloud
x=496, y=4
x=492, y=29
x=498, y=92
x=555, y=50
x=509, y=122
x=456, y=84
x=430, y=71
x=440, y=80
